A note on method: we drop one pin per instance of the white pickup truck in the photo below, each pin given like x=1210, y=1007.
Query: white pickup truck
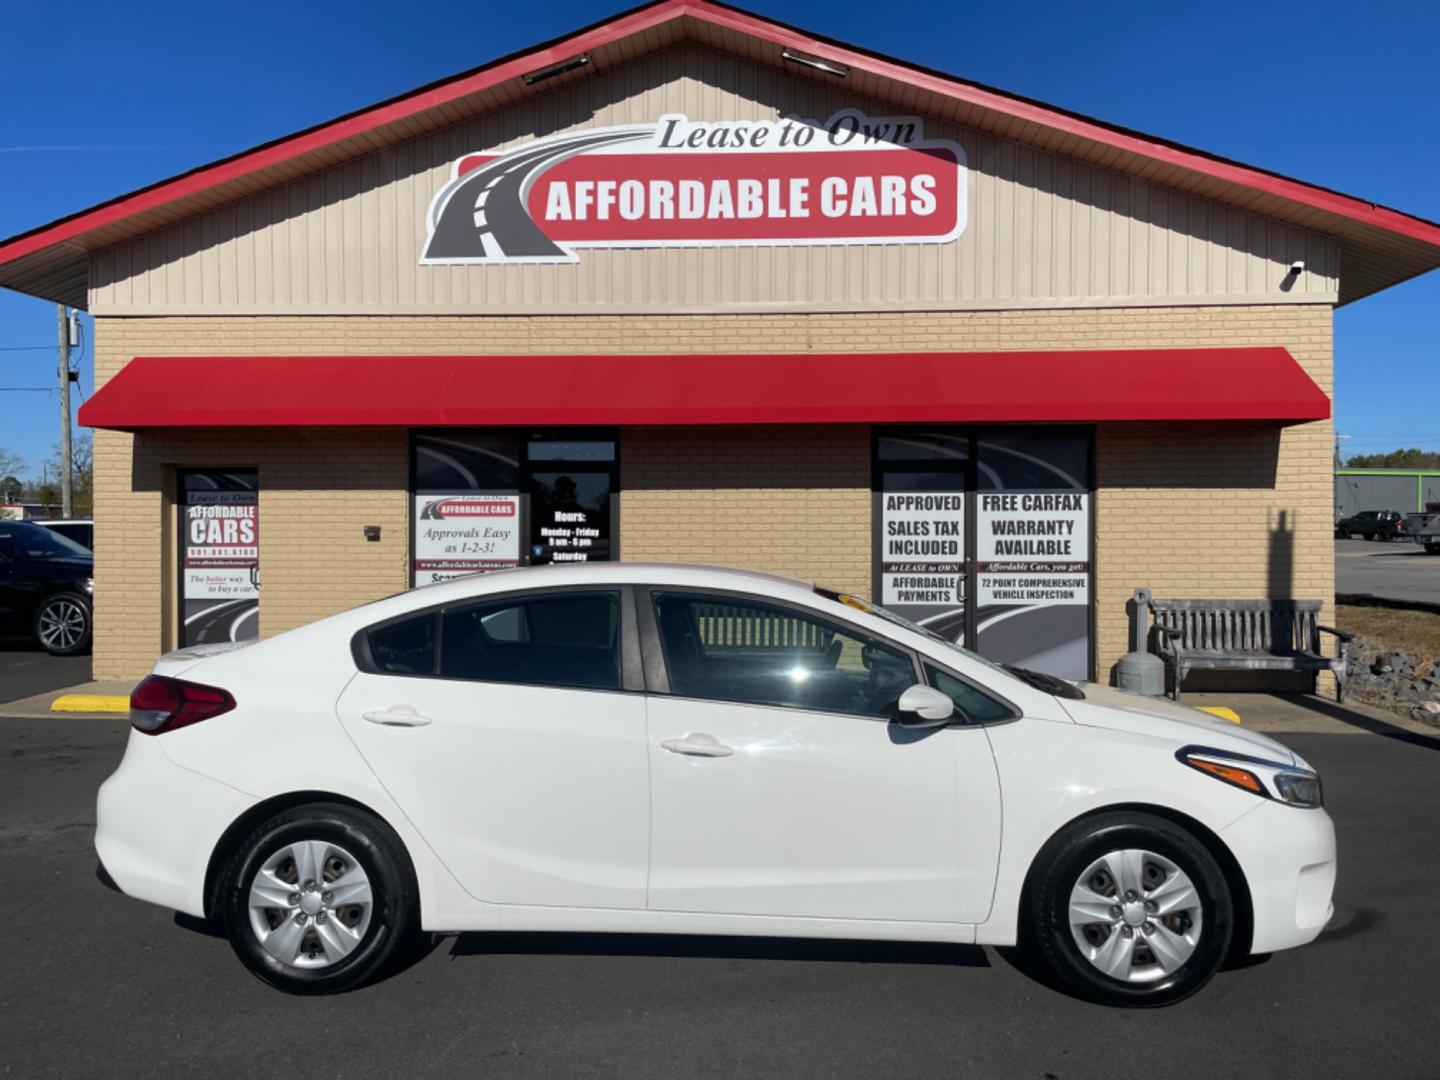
x=1424, y=529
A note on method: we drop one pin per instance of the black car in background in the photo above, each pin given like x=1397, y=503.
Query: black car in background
x=81, y=530
x=1372, y=525
x=46, y=583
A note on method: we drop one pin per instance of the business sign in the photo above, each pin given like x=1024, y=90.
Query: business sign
x=465, y=534
x=854, y=179
x=220, y=560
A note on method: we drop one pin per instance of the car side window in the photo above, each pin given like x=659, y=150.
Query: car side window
x=976, y=706
x=551, y=639
x=733, y=649
x=406, y=647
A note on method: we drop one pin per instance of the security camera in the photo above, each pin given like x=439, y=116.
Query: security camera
x=1298, y=266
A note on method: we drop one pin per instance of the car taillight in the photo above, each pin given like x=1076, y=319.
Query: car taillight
x=161, y=704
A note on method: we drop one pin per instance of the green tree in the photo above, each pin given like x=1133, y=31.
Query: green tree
x=1411, y=458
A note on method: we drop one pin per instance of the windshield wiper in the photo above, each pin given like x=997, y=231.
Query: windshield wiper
x=1048, y=684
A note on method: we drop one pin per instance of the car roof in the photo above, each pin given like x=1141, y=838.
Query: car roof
x=61, y=521
x=691, y=575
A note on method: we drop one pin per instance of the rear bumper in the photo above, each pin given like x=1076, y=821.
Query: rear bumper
x=156, y=825
x=1288, y=857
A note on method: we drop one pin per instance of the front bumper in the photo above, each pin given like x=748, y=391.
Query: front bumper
x=157, y=823
x=1288, y=857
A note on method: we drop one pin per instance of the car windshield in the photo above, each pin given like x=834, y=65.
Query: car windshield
x=20, y=540
x=1047, y=684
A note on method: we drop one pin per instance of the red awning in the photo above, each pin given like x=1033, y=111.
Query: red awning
x=934, y=387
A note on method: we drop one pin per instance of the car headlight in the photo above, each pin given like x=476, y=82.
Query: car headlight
x=1267, y=779
x=90, y=585
x=1301, y=789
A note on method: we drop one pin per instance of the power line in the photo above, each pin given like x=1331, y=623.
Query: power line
x=27, y=389
x=24, y=348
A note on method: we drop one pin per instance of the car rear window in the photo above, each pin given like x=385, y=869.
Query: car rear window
x=555, y=639
x=406, y=647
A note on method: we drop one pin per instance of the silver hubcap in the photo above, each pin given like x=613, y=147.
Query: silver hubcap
x=62, y=624
x=310, y=904
x=1135, y=915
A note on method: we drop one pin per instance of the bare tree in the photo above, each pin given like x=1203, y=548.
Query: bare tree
x=82, y=475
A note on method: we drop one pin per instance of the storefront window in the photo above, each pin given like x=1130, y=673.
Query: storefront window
x=219, y=555
x=983, y=537
x=496, y=499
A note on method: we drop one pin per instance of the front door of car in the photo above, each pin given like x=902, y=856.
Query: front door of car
x=781, y=786
x=505, y=731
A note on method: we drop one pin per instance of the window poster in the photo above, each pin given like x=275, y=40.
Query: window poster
x=465, y=534
x=1032, y=552
x=220, y=557
x=922, y=560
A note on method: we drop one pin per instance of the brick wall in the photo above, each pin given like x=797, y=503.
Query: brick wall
x=1191, y=510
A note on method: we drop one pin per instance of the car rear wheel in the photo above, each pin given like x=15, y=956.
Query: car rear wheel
x=1432, y=549
x=1130, y=909
x=62, y=624
x=319, y=899
x=1343, y=533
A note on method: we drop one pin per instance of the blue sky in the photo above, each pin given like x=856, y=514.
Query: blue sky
x=1339, y=94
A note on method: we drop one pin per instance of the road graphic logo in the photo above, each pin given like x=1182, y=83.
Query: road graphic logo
x=854, y=179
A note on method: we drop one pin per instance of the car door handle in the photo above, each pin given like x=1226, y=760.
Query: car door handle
x=397, y=716
x=698, y=744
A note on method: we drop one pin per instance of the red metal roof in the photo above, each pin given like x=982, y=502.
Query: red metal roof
x=1263, y=384
x=1320, y=208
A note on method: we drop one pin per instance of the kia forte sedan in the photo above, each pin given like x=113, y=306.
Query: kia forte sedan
x=669, y=749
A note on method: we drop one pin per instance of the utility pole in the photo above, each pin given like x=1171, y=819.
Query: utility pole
x=66, y=507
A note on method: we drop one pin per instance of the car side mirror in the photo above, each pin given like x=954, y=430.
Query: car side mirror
x=924, y=707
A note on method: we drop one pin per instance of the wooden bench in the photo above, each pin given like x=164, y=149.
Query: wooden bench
x=1245, y=635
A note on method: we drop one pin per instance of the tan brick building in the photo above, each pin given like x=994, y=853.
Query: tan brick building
x=689, y=285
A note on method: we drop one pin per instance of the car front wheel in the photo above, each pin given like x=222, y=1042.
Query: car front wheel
x=62, y=624
x=319, y=899
x=1130, y=909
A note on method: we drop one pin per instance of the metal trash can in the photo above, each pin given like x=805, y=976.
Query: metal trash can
x=1141, y=670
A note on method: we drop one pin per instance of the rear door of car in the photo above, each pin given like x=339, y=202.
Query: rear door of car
x=511, y=731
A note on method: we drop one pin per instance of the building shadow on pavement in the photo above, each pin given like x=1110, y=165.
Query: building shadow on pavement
x=718, y=948
x=1371, y=724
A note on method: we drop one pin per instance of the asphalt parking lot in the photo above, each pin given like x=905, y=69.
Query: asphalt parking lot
x=95, y=984
x=27, y=669
x=1397, y=570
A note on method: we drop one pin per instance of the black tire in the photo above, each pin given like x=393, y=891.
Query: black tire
x=393, y=924
x=1057, y=870
x=67, y=607
x=1432, y=549
x=1343, y=533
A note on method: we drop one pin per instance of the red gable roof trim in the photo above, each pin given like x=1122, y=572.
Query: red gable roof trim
x=640, y=19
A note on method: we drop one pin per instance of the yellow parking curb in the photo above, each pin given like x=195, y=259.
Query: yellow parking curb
x=108, y=703
x=1222, y=712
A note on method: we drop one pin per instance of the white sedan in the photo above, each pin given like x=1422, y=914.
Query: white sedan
x=669, y=749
